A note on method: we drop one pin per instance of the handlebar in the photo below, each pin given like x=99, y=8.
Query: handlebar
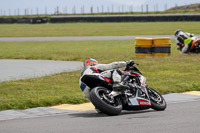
x=130, y=65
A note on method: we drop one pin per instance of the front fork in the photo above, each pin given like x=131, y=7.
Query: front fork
x=114, y=93
x=144, y=91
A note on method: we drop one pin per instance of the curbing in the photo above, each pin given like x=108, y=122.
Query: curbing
x=193, y=93
x=90, y=106
x=75, y=107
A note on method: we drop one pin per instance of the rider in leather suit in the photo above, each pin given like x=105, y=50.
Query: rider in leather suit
x=184, y=41
x=109, y=71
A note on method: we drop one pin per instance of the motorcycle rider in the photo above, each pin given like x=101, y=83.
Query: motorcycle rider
x=184, y=41
x=110, y=71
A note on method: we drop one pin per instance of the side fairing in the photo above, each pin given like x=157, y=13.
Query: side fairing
x=94, y=80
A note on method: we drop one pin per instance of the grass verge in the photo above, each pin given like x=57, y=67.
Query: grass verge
x=174, y=73
x=96, y=29
x=44, y=91
x=69, y=50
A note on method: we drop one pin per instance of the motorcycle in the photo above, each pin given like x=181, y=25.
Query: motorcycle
x=194, y=46
x=137, y=96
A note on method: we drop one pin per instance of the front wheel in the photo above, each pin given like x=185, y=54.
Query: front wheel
x=100, y=98
x=157, y=101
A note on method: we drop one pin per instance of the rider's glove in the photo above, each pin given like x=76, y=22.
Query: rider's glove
x=130, y=63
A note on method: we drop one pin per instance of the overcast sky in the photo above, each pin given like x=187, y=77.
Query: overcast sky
x=13, y=7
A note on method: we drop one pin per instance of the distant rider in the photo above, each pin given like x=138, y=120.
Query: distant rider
x=184, y=41
x=110, y=71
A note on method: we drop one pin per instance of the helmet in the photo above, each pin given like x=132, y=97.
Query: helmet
x=90, y=62
x=177, y=32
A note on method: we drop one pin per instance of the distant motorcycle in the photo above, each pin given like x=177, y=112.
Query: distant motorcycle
x=194, y=46
x=137, y=97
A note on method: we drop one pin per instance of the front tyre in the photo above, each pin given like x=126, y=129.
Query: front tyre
x=157, y=101
x=100, y=98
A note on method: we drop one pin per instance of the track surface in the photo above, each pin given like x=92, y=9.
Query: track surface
x=81, y=38
x=20, y=69
x=177, y=118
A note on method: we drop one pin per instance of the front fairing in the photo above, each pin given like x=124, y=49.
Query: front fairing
x=140, y=99
x=133, y=69
x=142, y=80
x=137, y=70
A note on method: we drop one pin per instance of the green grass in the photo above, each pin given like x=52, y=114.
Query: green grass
x=44, y=91
x=69, y=50
x=175, y=73
x=97, y=29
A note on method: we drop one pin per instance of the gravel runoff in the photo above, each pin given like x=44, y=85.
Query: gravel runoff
x=21, y=69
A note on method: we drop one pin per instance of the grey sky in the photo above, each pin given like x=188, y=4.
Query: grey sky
x=12, y=7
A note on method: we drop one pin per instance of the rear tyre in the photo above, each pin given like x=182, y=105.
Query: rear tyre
x=157, y=101
x=102, y=101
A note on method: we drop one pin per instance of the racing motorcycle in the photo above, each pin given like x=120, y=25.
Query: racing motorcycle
x=137, y=96
x=194, y=46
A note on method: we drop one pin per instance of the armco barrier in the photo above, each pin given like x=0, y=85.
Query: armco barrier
x=125, y=18
x=105, y=18
x=7, y=20
x=39, y=20
x=35, y=20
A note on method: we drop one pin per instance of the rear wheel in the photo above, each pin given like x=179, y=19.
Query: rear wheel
x=100, y=98
x=157, y=101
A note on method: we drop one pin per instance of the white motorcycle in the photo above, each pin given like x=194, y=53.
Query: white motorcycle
x=137, y=97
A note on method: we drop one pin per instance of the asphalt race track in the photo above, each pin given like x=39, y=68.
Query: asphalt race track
x=180, y=117
x=20, y=69
x=80, y=38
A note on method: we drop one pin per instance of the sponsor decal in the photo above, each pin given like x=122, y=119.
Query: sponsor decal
x=144, y=102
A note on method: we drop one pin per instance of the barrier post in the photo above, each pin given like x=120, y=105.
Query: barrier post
x=161, y=46
x=143, y=46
